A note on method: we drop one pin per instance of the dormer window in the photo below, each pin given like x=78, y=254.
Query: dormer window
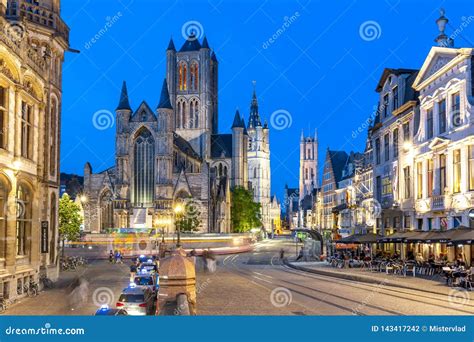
x=395, y=98
x=385, y=106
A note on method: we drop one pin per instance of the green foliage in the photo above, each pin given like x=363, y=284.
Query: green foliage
x=69, y=219
x=245, y=212
x=189, y=220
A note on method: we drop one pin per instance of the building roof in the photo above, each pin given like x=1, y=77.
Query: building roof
x=184, y=146
x=124, y=104
x=221, y=145
x=389, y=71
x=338, y=161
x=237, y=120
x=171, y=45
x=191, y=44
x=205, y=44
x=165, y=102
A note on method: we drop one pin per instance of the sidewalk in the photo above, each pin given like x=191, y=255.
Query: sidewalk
x=434, y=284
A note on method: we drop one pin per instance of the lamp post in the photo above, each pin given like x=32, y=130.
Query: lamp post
x=178, y=209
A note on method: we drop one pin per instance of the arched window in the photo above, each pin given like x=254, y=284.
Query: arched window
x=194, y=76
x=255, y=173
x=53, y=135
x=183, y=75
x=143, y=169
x=181, y=114
x=3, y=216
x=225, y=170
x=220, y=170
x=24, y=218
x=194, y=113
x=106, y=211
x=52, y=229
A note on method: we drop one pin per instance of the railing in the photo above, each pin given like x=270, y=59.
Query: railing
x=439, y=202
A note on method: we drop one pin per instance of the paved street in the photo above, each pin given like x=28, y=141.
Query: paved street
x=257, y=284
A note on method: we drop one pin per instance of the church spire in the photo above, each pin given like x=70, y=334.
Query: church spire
x=254, y=118
x=171, y=45
x=123, y=102
x=165, y=102
x=237, y=120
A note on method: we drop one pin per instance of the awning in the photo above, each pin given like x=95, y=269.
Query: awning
x=459, y=235
x=396, y=237
x=360, y=238
x=464, y=237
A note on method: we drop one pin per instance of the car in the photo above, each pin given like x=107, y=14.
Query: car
x=137, y=300
x=148, y=266
x=106, y=311
x=151, y=280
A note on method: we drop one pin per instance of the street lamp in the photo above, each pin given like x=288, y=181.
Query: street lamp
x=178, y=209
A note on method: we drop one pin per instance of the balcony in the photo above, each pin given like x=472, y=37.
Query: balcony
x=38, y=15
x=440, y=202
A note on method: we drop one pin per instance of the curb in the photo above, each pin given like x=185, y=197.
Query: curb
x=357, y=278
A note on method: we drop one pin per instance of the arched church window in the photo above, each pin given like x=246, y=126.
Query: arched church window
x=255, y=173
x=106, y=211
x=194, y=114
x=194, y=76
x=143, y=168
x=181, y=115
x=183, y=76
x=225, y=170
x=220, y=170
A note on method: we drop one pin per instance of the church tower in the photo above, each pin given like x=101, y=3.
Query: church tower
x=259, y=160
x=308, y=164
x=192, y=79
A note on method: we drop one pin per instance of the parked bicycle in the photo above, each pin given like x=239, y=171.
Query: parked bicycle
x=47, y=283
x=33, y=289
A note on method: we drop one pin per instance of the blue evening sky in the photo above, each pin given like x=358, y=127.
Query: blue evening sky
x=319, y=68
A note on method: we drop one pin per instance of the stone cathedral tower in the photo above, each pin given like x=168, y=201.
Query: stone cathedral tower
x=259, y=160
x=192, y=78
x=308, y=165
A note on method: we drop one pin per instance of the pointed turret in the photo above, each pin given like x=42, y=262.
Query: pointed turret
x=242, y=122
x=123, y=103
x=171, y=45
x=237, y=121
x=165, y=102
x=254, y=118
x=205, y=44
x=302, y=135
x=213, y=56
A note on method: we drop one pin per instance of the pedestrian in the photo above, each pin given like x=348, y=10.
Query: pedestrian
x=300, y=255
x=133, y=271
x=111, y=256
x=282, y=254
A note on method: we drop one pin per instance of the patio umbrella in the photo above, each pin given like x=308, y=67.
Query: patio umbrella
x=360, y=238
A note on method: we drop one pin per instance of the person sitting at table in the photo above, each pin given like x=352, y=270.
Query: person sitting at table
x=410, y=256
x=460, y=260
x=431, y=258
x=419, y=258
x=396, y=255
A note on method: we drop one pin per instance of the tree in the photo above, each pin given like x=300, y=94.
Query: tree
x=189, y=221
x=70, y=220
x=245, y=212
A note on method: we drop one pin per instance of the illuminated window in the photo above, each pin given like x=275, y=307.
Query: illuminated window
x=144, y=170
x=23, y=220
x=406, y=131
x=419, y=180
x=194, y=84
x=106, y=211
x=407, y=181
x=430, y=178
x=26, y=130
x=471, y=167
x=442, y=173
x=182, y=76
x=457, y=171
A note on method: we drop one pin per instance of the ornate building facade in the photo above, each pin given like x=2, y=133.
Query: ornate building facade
x=175, y=153
x=33, y=40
